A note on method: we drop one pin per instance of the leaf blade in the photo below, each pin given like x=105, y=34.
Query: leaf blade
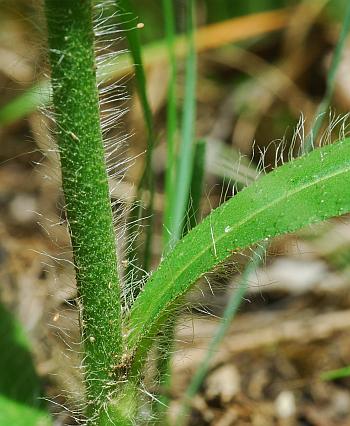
x=307, y=190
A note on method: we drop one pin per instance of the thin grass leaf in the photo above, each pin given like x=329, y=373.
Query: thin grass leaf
x=340, y=373
x=185, y=155
x=326, y=101
x=228, y=316
x=208, y=37
x=27, y=102
x=147, y=179
x=178, y=198
x=171, y=119
x=166, y=341
x=195, y=196
x=307, y=190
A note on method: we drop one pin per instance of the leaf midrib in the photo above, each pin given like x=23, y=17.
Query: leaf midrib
x=344, y=169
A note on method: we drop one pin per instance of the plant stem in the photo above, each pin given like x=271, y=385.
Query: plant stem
x=85, y=187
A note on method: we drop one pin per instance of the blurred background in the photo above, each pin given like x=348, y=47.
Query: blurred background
x=261, y=74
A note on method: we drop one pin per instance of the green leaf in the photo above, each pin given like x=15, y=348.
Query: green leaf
x=307, y=190
x=147, y=179
x=231, y=309
x=197, y=181
x=16, y=414
x=25, y=103
x=20, y=387
x=171, y=120
x=341, y=373
x=184, y=161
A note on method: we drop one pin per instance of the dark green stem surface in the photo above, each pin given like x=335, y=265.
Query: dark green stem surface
x=85, y=186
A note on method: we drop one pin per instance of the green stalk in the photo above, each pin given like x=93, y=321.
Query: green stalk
x=85, y=187
x=171, y=119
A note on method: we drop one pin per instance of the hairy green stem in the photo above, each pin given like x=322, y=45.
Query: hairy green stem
x=85, y=186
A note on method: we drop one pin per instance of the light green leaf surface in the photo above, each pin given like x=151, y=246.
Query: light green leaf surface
x=14, y=413
x=310, y=189
x=21, y=400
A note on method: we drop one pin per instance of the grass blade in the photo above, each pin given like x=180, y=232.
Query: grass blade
x=177, y=199
x=304, y=191
x=171, y=118
x=165, y=343
x=195, y=196
x=230, y=312
x=330, y=83
x=24, y=104
x=340, y=373
x=147, y=179
x=208, y=37
x=184, y=164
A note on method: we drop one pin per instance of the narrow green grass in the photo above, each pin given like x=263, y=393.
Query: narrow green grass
x=231, y=309
x=184, y=162
x=170, y=33
x=330, y=83
x=26, y=103
x=196, y=188
x=340, y=373
x=178, y=179
x=129, y=24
